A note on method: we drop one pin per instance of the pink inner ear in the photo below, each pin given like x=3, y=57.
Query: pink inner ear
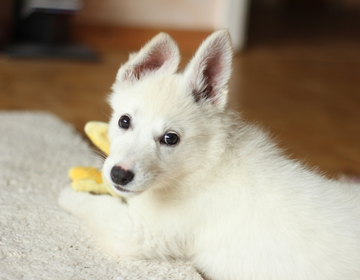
x=150, y=64
x=212, y=76
x=153, y=61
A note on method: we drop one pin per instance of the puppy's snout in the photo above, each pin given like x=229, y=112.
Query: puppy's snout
x=120, y=176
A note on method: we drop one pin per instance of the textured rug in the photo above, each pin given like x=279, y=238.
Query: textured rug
x=38, y=240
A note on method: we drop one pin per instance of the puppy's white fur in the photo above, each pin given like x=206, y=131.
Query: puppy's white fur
x=224, y=197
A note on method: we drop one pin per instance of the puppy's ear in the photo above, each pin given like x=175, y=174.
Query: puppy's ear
x=159, y=55
x=209, y=71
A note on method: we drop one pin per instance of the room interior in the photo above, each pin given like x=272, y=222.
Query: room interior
x=296, y=74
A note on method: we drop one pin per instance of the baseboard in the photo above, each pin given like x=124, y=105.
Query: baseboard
x=112, y=38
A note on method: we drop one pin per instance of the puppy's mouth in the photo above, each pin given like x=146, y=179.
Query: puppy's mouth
x=121, y=189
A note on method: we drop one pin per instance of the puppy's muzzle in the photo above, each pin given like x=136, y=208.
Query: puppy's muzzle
x=120, y=176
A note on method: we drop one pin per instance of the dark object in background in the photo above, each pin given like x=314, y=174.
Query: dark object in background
x=6, y=21
x=42, y=29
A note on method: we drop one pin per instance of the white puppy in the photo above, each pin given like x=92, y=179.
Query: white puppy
x=203, y=186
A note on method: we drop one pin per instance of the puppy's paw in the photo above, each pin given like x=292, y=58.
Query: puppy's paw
x=72, y=201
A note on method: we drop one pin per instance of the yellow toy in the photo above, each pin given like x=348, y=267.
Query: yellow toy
x=88, y=178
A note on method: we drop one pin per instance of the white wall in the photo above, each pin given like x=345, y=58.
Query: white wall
x=200, y=15
x=174, y=14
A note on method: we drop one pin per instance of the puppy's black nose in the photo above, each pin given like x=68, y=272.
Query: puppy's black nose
x=120, y=176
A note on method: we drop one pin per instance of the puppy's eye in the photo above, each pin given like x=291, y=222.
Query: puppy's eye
x=124, y=122
x=170, y=139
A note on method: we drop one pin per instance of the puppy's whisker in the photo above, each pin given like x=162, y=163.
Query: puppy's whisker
x=96, y=151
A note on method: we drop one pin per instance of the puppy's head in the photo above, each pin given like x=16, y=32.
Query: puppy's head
x=164, y=125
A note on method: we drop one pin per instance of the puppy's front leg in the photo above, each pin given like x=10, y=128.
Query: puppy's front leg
x=118, y=231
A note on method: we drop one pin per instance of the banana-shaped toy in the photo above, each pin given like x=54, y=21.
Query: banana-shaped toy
x=88, y=178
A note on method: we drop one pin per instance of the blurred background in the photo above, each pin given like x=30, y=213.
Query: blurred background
x=296, y=65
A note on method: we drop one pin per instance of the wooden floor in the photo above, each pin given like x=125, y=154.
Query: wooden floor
x=305, y=89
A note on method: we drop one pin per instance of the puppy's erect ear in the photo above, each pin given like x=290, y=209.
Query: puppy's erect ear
x=160, y=55
x=209, y=71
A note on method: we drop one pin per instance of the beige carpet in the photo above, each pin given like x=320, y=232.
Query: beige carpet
x=37, y=239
